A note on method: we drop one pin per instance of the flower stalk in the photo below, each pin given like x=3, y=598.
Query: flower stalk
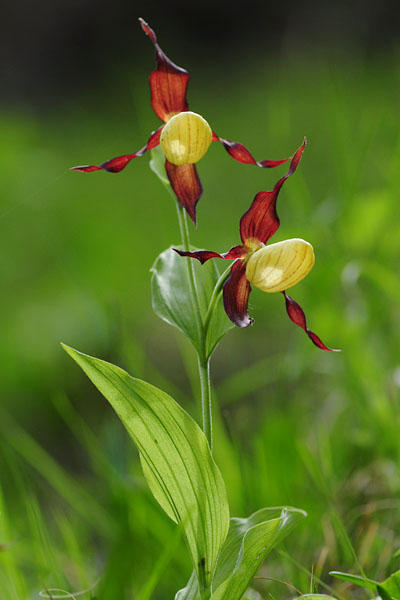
x=206, y=404
x=184, y=230
x=203, y=360
x=216, y=295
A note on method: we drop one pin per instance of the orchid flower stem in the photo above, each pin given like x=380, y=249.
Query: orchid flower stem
x=203, y=360
x=205, y=387
x=183, y=226
x=184, y=230
x=217, y=291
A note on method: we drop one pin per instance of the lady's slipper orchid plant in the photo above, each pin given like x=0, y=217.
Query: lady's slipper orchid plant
x=176, y=455
x=273, y=268
x=185, y=137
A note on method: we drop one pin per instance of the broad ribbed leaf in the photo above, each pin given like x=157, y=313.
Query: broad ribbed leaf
x=178, y=463
x=172, y=300
x=191, y=591
x=247, y=544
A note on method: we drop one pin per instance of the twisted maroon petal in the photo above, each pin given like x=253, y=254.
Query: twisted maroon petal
x=242, y=155
x=115, y=165
x=187, y=186
x=168, y=83
x=296, y=314
x=236, y=293
x=261, y=220
x=204, y=255
x=201, y=255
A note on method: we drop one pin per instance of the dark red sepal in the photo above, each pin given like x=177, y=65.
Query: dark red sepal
x=243, y=155
x=261, y=221
x=204, y=255
x=201, y=255
x=236, y=293
x=115, y=165
x=86, y=168
x=296, y=314
x=168, y=83
x=186, y=184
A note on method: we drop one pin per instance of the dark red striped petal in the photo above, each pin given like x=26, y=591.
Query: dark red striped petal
x=296, y=314
x=201, y=255
x=204, y=255
x=236, y=293
x=242, y=155
x=168, y=83
x=115, y=165
x=261, y=220
x=186, y=184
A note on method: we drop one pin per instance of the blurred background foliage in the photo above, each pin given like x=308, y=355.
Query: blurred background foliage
x=294, y=425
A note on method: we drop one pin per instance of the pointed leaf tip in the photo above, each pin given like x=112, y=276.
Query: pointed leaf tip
x=67, y=349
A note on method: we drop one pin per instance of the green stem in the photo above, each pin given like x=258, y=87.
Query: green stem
x=203, y=587
x=203, y=361
x=205, y=594
x=205, y=386
x=217, y=291
x=183, y=226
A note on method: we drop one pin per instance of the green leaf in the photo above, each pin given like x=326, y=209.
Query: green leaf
x=191, y=591
x=172, y=301
x=247, y=544
x=392, y=585
x=383, y=594
x=355, y=579
x=176, y=456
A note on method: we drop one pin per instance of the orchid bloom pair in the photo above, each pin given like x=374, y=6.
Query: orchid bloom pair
x=273, y=268
x=184, y=138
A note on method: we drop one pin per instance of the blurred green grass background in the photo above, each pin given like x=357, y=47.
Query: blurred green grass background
x=297, y=426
